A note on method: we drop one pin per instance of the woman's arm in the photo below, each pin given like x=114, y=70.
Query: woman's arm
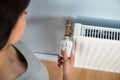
x=67, y=65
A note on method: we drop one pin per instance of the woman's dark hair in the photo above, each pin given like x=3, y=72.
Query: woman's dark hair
x=10, y=10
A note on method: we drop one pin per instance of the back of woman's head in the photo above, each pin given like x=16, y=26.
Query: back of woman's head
x=10, y=10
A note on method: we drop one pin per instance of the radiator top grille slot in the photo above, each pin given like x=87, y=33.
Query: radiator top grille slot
x=99, y=32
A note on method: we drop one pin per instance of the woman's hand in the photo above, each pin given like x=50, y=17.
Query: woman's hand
x=67, y=64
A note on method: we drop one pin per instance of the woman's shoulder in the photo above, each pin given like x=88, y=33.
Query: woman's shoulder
x=36, y=70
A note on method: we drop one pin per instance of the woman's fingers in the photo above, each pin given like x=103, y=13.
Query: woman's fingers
x=59, y=64
x=72, y=57
x=65, y=57
x=60, y=61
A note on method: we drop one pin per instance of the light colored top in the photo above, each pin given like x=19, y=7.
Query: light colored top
x=35, y=69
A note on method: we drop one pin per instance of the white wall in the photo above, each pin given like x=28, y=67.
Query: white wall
x=44, y=35
x=108, y=9
x=46, y=19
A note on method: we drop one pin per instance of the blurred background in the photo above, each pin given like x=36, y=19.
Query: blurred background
x=46, y=20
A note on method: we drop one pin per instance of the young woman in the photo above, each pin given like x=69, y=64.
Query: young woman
x=16, y=60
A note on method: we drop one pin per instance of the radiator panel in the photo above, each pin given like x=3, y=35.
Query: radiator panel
x=97, y=53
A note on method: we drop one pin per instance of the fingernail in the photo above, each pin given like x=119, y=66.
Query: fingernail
x=62, y=49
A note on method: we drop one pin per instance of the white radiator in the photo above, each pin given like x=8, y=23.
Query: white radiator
x=97, y=47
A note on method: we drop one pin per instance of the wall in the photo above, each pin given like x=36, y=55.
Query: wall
x=107, y=9
x=46, y=19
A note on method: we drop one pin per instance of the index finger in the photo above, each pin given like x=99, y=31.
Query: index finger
x=65, y=57
x=72, y=57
